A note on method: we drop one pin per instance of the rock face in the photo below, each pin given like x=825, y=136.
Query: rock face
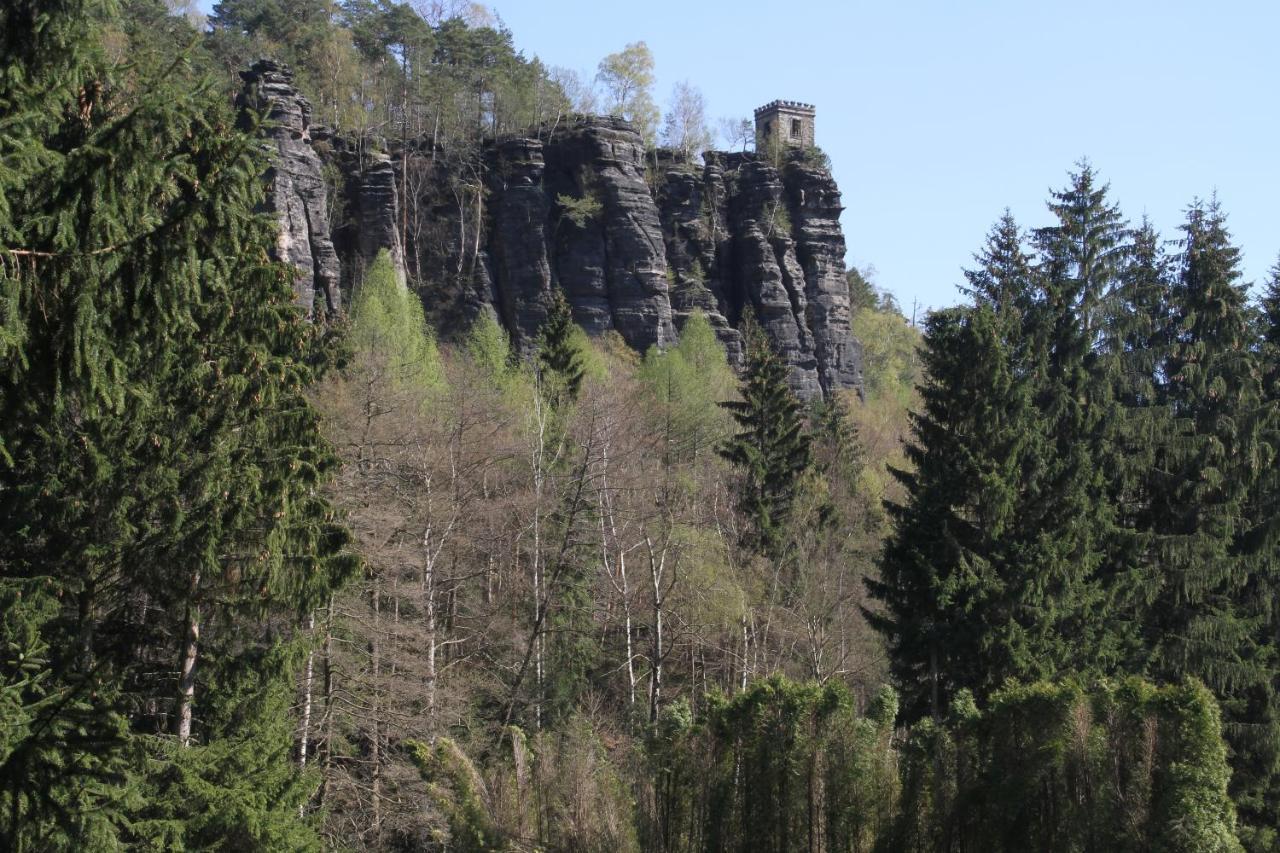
x=573, y=209
x=379, y=208
x=575, y=212
x=695, y=228
x=296, y=191
x=612, y=260
x=744, y=233
x=814, y=201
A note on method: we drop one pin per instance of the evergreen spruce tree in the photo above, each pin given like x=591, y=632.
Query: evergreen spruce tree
x=944, y=573
x=1209, y=592
x=159, y=504
x=1080, y=261
x=958, y=575
x=772, y=448
x=559, y=361
x=1261, y=810
x=1136, y=337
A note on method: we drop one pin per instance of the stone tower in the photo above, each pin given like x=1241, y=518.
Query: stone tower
x=787, y=122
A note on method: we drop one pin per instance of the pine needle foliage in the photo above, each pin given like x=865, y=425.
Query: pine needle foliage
x=559, y=360
x=1209, y=591
x=771, y=449
x=160, y=463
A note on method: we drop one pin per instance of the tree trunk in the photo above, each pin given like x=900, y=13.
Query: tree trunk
x=187, y=678
x=657, y=567
x=429, y=620
x=330, y=687
x=375, y=746
x=308, y=679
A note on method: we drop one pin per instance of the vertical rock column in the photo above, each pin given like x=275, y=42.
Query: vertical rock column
x=602, y=159
x=296, y=192
x=815, y=205
x=768, y=272
x=380, y=214
x=691, y=206
x=518, y=240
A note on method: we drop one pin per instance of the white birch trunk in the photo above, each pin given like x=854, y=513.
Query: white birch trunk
x=187, y=678
x=308, y=680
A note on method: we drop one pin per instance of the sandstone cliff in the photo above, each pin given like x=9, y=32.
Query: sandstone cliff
x=637, y=240
x=296, y=190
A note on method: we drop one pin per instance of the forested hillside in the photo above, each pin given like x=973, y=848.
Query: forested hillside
x=271, y=583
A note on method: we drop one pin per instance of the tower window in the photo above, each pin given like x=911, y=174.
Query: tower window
x=795, y=128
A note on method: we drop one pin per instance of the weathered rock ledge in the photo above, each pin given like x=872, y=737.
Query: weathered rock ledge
x=637, y=240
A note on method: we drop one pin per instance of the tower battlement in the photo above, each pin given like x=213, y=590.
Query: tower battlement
x=790, y=123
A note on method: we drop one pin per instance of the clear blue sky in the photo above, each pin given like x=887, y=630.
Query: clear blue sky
x=938, y=114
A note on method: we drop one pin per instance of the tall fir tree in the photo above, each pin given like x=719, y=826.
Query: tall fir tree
x=158, y=488
x=1261, y=811
x=559, y=361
x=946, y=581
x=771, y=448
x=1135, y=342
x=1208, y=592
x=1080, y=259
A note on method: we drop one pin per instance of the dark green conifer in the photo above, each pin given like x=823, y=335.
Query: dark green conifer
x=1069, y=514
x=1135, y=342
x=559, y=360
x=964, y=605
x=1210, y=589
x=772, y=448
x=159, y=485
x=950, y=577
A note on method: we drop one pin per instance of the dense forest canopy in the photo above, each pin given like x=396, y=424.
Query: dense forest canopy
x=268, y=585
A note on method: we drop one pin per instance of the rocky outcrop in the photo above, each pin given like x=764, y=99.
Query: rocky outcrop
x=379, y=208
x=693, y=207
x=814, y=201
x=518, y=262
x=749, y=234
x=296, y=189
x=574, y=212
x=572, y=209
x=612, y=260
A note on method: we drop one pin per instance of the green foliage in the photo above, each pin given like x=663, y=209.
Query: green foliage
x=560, y=351
x=771, y=449
x=687, y=383
x=890, y=357
x=456, y=786
x=240, y=790
x=815, y=157
x=1064, y=766
x=996, y=566
x=783, y=766
x=153, y=411
x=776, y=219
x=489, y=348
x=948, y=572
x=580, y=211
x=368, y=63
x=627, y=77
x=1210, y=589
x=389, y=328
x=1088, y=491
x=1111, y=766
